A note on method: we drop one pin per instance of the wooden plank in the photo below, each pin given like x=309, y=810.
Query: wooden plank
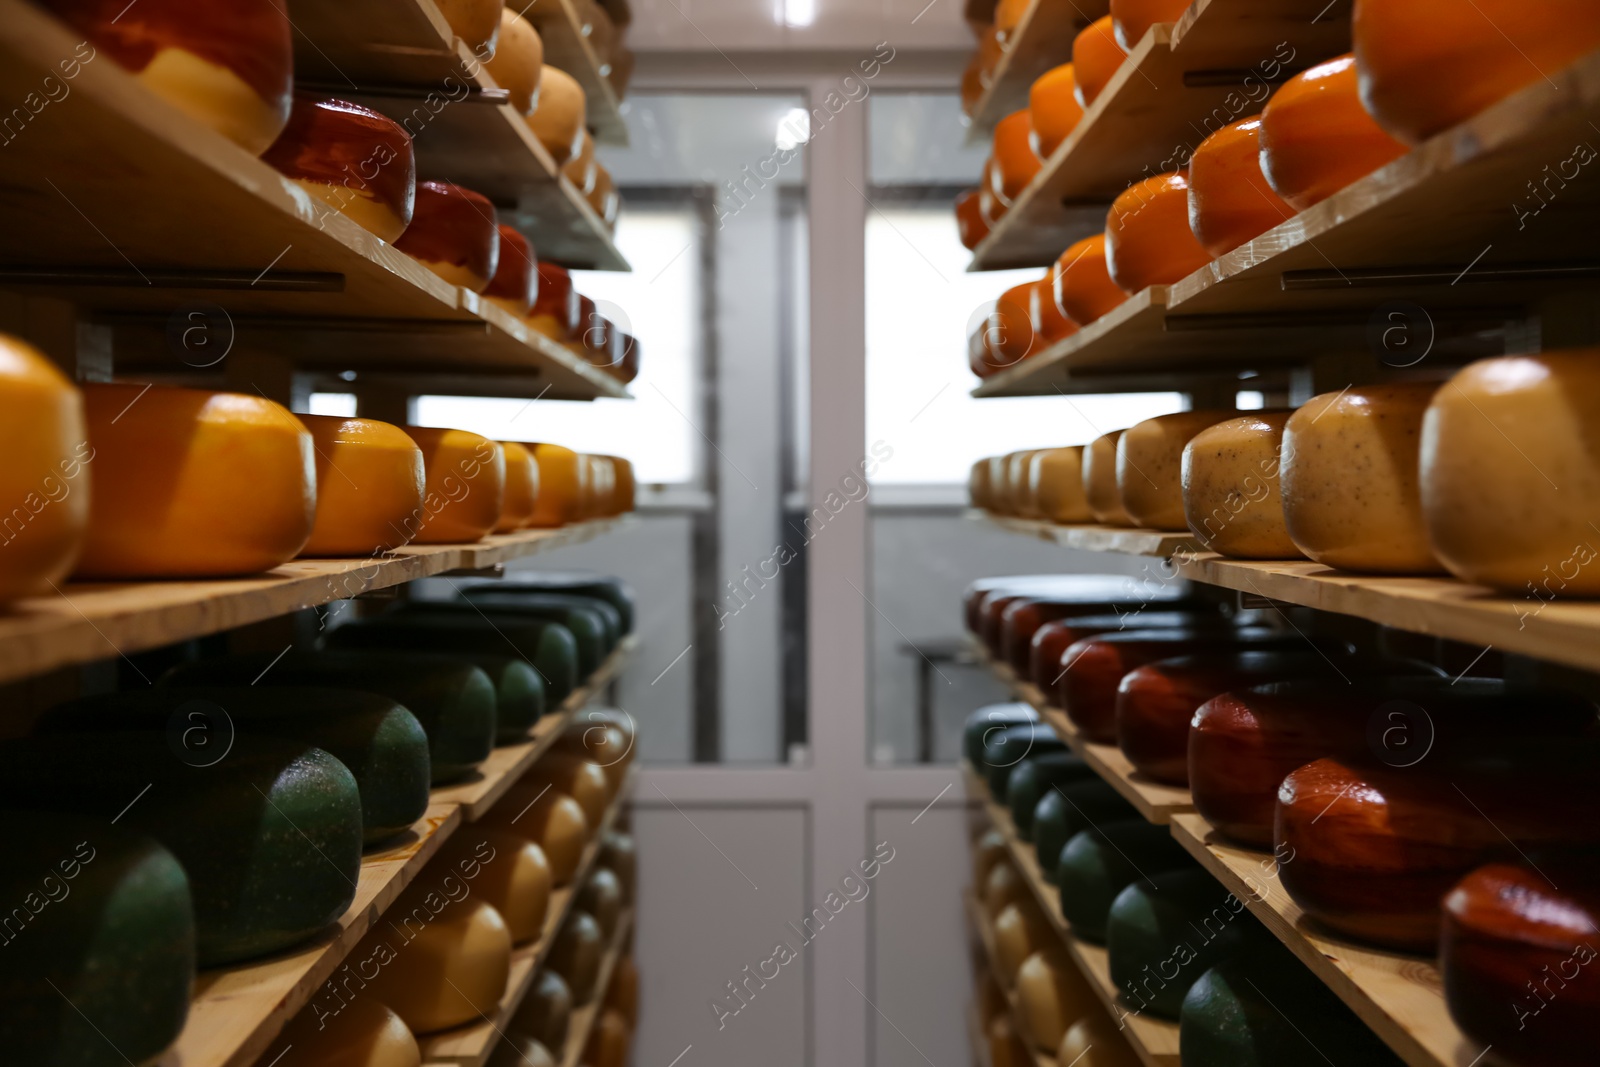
x=567, y=48
x=1124, y=540
x=1041, y=41
x=1400, y=997
x=584, y=1019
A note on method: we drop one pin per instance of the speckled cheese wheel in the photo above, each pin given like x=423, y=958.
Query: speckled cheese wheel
x=1150, y=466
x=1019, y=931
x=1056, y=479
x=1100, y=481
x=444, y=972
x=1093, y=1041
x=1351, y=497
x=1052, y=995
x=1510, y=473
x=1231, y=495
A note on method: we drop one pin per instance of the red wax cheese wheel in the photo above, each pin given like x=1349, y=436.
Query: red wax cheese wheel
x=369, y=486
x=1148, y=239
x=1015, y=162
x=353, y=159
x=1081, y=281
x=465, y=484
x=1094, y=593
x=45, y=479
x=1316, y=138
x=455, y=233
x=1230, y=201
x=1023, y=617
x=1052, y=639
x=555, y=310
x=515, y=285
x=1133, y=18
x=1096, y=55
x=1054, y=109
x=969, y=220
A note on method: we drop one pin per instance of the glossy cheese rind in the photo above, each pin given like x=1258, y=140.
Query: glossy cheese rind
x=355, y=160
x=1316, y=138
x=1148, y=239
x=45, y=480
x=465, y=485
x=1150, y=466
x=1230, y=202
x=1081, y=281
x=370, y=482
x=362, y=1033
x=549, y=819
x=1232, y=499
x=1054, y=108
x=1096, y=55
x=454, y=232
x=1052, y=995
x=522, y=488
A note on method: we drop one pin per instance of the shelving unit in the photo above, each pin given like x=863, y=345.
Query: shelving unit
x=584, y=1019
x=1042, y=40
x=985, y=935
x=566, y=46
x=1124, y=540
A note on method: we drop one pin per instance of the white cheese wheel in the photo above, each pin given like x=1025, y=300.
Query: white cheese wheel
x=550, y=819
x=1052, y=995
x=1231, y=495
x=559, y=117
x=1100, y=481
x=507, y=871
x=1150, y=466
x=445, y=968
x=1093, y=1041
x=1055, y=477
x=364, y=1032
x=517, y=60
x=1019, y=931
x=1351, y=497
x=1510, y=474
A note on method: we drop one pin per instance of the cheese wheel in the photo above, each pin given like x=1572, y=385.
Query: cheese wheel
x=515, y=285
x=355, y=160
x=1231, y=496
x=519, y=1051
x=507, y=871
x=1048, y=323
x=1230, y=202
x=555, y=309
x=1056, y=477
x=622, y=469
x=608, y=1042
x=601, y=896
x=476, y=22
x=227, y=64
x=363, y=1032
x=1427, y=66
x=1053, y=108
x=44, y=481
x=987, y=851
x=559, y=486
x=559, y=118
x=1133, y=18
x=549, y=819
x=1015, y=162
x=1316, y=138
x=1096, y=55
x=1511, y=476
x=602, y=744
x=1100, y=481
x=581, y=779
x=576, y=953
x=618, y=854
x=978, y=488
x=545, y=1012
x=1020, y=930
x=1010, y=337
x=522, y=487
x=369, y=486
x=1052, y=995
x=1150, y=466
x=517, y=60
x=580, y=169
x=969, y=220
x=990, y=207
x=190, y=483
x=1006, y=1049
x=1093, y=1041
x=1037, y=656
x=447, y=963
x=622, y=993
x=988, y=57
x=1081, y=281
x=605, y=200
x=1019, y=487
x=1349, y=480
x=1008, y=15
x=466, y=484
x=1003, y=888
x=455, y=233
x=1148, y=239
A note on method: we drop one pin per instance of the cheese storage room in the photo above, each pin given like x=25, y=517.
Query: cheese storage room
x=812, y=533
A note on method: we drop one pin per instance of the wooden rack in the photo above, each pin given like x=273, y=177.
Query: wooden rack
x=1125, y=540
x=566, y=47
x=583, y=1020
x=1042, y=41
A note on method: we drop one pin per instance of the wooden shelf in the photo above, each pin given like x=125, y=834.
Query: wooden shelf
x=1120, y=539
x=1400, y=997
x=567, y=48
x=1042, y=41
x=91, y=621
x=583, y=1019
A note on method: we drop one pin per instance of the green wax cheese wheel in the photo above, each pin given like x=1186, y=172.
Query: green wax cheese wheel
x=1097, y=864
x=1163, y=934
x=989, y=721
x=381, y=742
x=549, y=647
x=584, y=621
x=611, y=589
x=97, y=949
x=1262, y=1008
x=269, y=834
x=1006, y=749
x=453, y=700
x=519, y=695
x=544, y=605
x=1029, y=780
x=1064, y=811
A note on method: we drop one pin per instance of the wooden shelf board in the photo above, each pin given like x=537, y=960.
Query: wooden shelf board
x=1400, y=997
x=1042, y=40
x=1120, y=539
x=372, y=42
x=584, y=1018
x=89, y=621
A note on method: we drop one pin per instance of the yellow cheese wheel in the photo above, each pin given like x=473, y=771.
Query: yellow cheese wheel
x=601, y=896
x=581, y=779
x=447, y=963
x=1006, y=1048
x=1150, y=467
x=518, y=1051
x=522, y=487
x=507, y=871
x=1351, y=496
x=603, y=197
x=576, y=953
x=559, y=486
x=369, y=486
x=1100, y=481
x=550, y=819
x=44, y=482
x=558, y=118
x=622, y=993
x=602, y=743
x=603, y=483
x=1093, y=1041
x=1510, y=471
x=978, y=489
x=622, y=498
x=544, y=1014
x=987, y=851
x=363, y=1032
x=617, y=854
x=1019, y=931
x=580, y=169
x=476, y=22
x=1052, y=995
x=608, y=1042
x=1002, y=888
x=190, y=483
x=1055, y=477
x=466, y=484
x=1024, y=499
x=518, y=59
x=1231, y=492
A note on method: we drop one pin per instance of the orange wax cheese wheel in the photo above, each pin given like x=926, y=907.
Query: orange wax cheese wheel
x=1019, y=932
x=1150, y=466
x=581, y=779
x=1081, y=281
x=1428, y=65
x=447, y=963
x=1011, y=334
x=44, y=482
x=466, y=484
x=622, y=995
x=608, y=1042
x=1002, y=888
x=1148, y=239
x=363, y=1032
x=517, y=60
x=1100, y=481
x=1351, y=495
x=1316, y=138
x=989, y=54
x=576, y=954
x=1093, y=1041
x=545, y=1012
x=1049, y=325
x=1230, y=202
x=1052, y=995
x=1133, y=18
x=558, y=120
x=987, y=851
x=476, y=22
x=1008, y=15
x=369, y=486
x=1511, y=476
x=601, y=896
x=1096, y=55
x=969, y=220
x=522, y=487
x=506, y=871
x=1015, y=162
x=559, y=486
x=990, y=207
x=549, y=819
x=190, y=483
x=580, y=169
x=1056, y=475
x=1231, y=494
x=1054, y=109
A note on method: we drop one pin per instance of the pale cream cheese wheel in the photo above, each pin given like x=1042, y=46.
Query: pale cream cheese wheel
x=1002, y=888
x=1231, y=495
x=446, y=968
x=1150, y=466
x=1019, y=500
x=1019, y=931
x=517, y=61
x=1052, y=995
x=1055, y=477
x=1511, y=474
x=1100, y=481
x=978, y=484
x=558, y=119
x=1351, y=497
